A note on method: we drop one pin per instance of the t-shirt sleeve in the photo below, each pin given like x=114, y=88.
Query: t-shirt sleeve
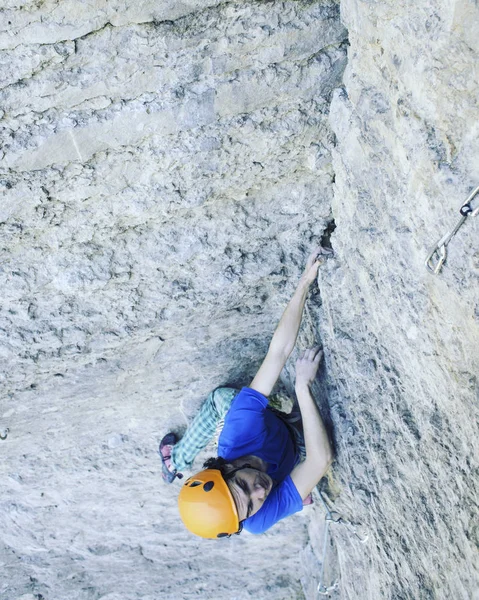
x=249, y=399
x=283, y=501
x=244, y=423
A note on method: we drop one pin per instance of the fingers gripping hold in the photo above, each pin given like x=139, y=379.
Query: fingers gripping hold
x=311, y=354
x=315, y=260
x=307, y=365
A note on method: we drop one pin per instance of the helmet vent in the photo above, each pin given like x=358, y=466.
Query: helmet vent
x=195, y=483
x=208, y=486
x=221, y=535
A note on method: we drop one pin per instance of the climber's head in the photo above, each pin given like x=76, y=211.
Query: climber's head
x=214, y=502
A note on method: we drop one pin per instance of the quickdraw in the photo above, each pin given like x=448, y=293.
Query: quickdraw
x=438, y=254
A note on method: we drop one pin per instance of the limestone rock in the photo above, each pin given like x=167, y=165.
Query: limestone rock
x=165, y=168
x=402, y=344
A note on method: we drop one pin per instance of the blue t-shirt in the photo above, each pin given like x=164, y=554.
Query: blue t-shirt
x=251, y=428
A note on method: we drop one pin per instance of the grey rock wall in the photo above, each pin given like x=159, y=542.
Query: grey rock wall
x=401, y=343
x=166, y=166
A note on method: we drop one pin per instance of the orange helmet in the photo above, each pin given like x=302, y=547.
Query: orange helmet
x=206, y=505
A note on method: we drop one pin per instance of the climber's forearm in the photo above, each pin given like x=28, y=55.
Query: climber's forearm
x=284, y=337
x=316, y=438
x=319, y=453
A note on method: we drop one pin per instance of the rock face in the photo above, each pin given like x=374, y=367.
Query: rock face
x=402, y=344
x=166, y=168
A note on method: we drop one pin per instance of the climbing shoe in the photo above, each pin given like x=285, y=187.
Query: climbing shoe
x=168, y=472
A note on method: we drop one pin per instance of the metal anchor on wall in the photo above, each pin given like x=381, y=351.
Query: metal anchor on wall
x=438, y=254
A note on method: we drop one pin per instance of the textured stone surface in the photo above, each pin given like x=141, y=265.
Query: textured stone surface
x=402, y=344
x=166, y=166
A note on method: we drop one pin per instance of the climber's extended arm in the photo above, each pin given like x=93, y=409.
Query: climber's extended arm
x=284, y=337
x=319, y=453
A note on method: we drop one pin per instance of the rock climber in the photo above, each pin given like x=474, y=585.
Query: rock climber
x=268, y=462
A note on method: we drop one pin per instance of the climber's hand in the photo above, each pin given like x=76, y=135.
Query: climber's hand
x=307, y=366
x=315, y=260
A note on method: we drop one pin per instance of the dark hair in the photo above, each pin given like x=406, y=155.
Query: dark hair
x=224, y=467
x=219, y=463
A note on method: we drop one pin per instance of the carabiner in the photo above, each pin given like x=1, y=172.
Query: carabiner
x=439, y=250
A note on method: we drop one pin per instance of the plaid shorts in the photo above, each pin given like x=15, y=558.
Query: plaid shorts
x=208, y=423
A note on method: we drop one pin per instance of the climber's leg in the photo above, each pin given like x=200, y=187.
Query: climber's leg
x=202, y=428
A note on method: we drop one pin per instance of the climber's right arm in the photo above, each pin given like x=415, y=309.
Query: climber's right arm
x=319, y=453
